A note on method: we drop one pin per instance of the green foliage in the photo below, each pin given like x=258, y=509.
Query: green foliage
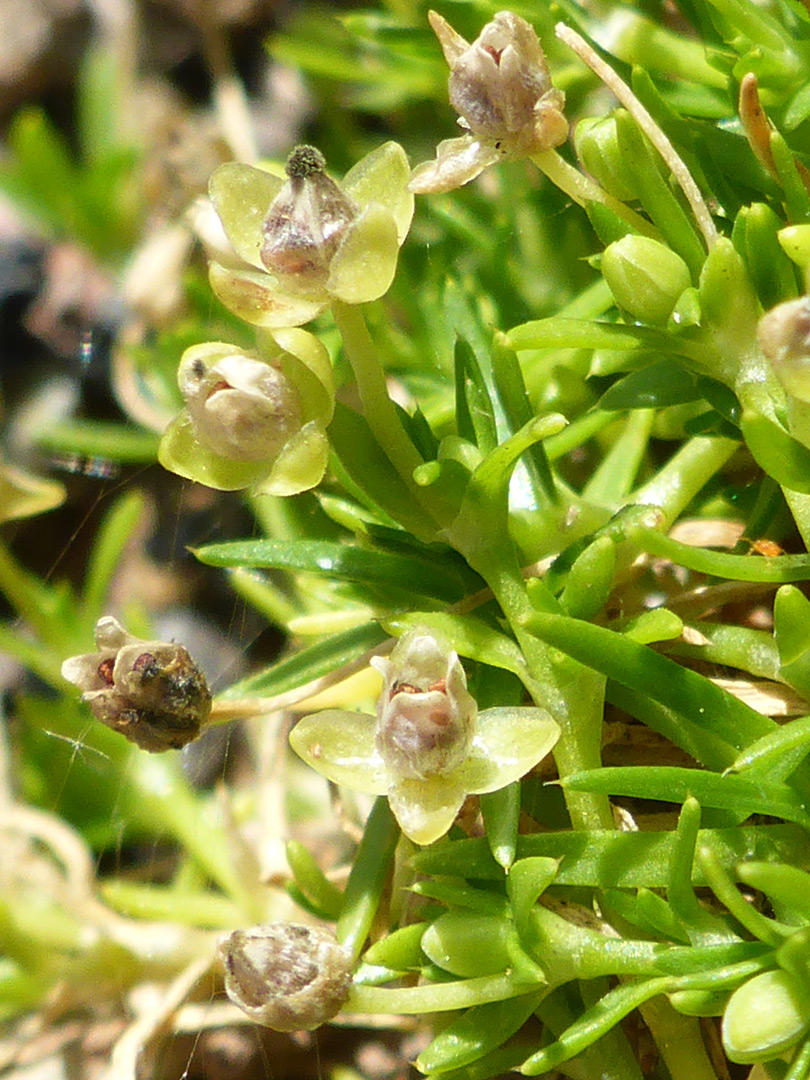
x=577, y=374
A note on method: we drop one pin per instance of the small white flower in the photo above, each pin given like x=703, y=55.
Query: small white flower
x=428, y=747
x=242, y=408
x=307, y=241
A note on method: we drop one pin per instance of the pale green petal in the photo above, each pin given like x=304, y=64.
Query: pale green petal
x=241, y=196
x=300, y=465
x=508, y=742
x=365, y=263
x=258, y=298
x=309, y=369
x=382, y=177
x=425, y=809
x=457, y=162
x=181, y=452
x=340, y=746
x=22, y=494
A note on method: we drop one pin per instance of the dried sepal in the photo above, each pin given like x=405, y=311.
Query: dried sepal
x=286, y=976
x=501, y=88
x=151, y=692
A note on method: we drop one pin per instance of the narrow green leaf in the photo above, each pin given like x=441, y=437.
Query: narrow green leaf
x=101, y=439
x=656, y=196
x=373, y=474
x=653, y=387
x=781, y=568
x=475, y=416
x=612, y=860
x=641, y=668
x=479, y=1031
x=343, y=561
x=797, y=198
x=563, y=333
x=113, y=536
x=320, y=659
x=673, y=784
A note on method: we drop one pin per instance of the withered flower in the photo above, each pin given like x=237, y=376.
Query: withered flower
x=501, y=88
x=151, y=692
x=286, y=976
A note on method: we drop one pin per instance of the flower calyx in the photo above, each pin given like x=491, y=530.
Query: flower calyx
x=501, y=88
x=428, y=747
x=151, y=692
x=306, y=241
x=285, y=975
x=250, y=421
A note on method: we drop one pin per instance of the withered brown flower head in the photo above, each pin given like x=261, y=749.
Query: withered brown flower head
x=285, y=975
x=151, y=692
x=501, y=88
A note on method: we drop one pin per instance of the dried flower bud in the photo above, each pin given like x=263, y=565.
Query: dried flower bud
x=241, y=408
x=425, y=714
x=152, y=692
x=501, y=88
x=306, y=222
x=500, y=85
x=784, y=336
x=286, y=976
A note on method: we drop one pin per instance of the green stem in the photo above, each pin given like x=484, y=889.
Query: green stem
x=583, y=190
x=378, y=408
x=436, y=997
x=675, y=485
x=366, y=882
x=679, y=1040
x=799, y=505
x=572, y=693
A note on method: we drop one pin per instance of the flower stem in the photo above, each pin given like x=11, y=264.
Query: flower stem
x=653, y=132
x=583, y=190
x=380, y=411
x=367, y=878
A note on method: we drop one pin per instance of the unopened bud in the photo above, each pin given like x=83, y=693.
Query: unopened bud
x=241, y=407
x=784, y=336
x=597, y=146
x=765, y=1017
x=286, y=976
x=151, y=692
x=645, y=277
x=426, y=716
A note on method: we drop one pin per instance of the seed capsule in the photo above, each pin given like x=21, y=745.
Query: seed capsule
x=286, y=976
